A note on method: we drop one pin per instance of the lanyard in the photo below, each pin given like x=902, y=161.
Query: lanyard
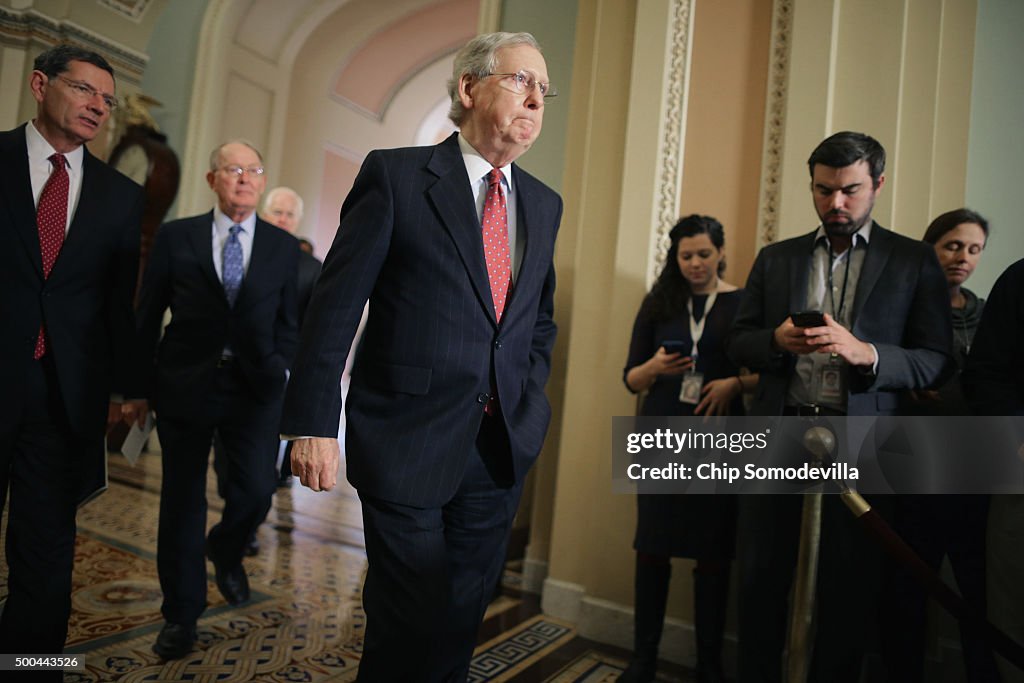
x=838, y=314
x=697, y=328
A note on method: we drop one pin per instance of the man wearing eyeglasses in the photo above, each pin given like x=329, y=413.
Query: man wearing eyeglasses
x=228, y=279
x=69, y=242
x=453, y=247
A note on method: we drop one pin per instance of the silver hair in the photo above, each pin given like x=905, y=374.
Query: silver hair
x=478, y=58
x=268, y=199
x=215, y=154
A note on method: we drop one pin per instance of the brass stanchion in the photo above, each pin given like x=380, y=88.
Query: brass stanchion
x=820, y=442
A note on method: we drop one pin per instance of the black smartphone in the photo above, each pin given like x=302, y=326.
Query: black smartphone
x=808, y=319
x=675, y=346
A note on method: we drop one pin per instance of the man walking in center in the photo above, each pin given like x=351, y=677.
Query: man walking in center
x=228, y=279
x=453, y=247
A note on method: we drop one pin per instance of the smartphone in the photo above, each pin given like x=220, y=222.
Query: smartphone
x=675, y=346
x=808, y=319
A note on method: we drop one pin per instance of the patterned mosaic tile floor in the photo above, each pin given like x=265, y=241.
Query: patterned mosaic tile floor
x=305, y=620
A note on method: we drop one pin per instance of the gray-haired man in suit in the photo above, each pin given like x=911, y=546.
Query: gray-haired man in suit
x=69, y=245
x=453, y=246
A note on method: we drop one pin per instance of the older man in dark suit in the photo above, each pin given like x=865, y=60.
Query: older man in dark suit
x=885, y=328
x=453, y=246
x=69, y=240
x=228, y=279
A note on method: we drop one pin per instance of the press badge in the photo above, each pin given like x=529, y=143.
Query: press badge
x=830, y=386
x=693, y=382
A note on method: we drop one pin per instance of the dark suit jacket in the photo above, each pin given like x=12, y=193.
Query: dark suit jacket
x=901, y=306
x=410, y=241
x=309, y=271
x=87, y=300
x=260, y=329
x=994, y=377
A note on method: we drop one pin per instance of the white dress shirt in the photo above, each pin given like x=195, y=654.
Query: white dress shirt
x=477, y=167
x=40, y=168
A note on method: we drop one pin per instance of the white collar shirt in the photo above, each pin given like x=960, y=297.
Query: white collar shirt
x=477, y=168
x=40, y=168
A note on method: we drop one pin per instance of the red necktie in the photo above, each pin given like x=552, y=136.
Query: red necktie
x=497, y=255
x=52, y=219
x=495, y=237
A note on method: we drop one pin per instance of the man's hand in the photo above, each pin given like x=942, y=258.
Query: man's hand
x=834, y=338
x=789, y=337
x=135, y=410
x=113, y=414
x=315, y=462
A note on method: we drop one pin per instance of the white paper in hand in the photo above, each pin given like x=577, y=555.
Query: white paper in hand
x=136, y=439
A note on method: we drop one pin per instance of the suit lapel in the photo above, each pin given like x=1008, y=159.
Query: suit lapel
x=799, y=267
x=201, y=237
x=90, y=204
x=259, y=259
x=453, y=200
x=17, y=191
x=527, y=223
x=874, y=263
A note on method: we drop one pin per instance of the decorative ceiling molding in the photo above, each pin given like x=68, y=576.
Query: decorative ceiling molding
x=775, y=122
x=22, y=29
x=673, y=124
x=130, y=9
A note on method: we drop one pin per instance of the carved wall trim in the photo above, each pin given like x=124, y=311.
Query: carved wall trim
x=673, y=131
x=774, y=122
x=24, y=28
x=129, y=9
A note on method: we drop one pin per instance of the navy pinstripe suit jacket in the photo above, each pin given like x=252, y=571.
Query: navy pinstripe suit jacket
x=410, y=242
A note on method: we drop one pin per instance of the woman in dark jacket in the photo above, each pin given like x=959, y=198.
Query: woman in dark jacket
x=939, y=526
x=689, y=303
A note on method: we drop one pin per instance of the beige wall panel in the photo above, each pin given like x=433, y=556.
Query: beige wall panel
x=246, y=112
x=17, y=104
x=590, y=524
x=953, y=107
x=866, y=86
x=910, y=172
x=808, y=110
x=725, y=122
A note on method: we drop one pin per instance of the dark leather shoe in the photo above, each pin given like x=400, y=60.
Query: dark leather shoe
x=175, y=640
x=233, y=583
x=252, y=547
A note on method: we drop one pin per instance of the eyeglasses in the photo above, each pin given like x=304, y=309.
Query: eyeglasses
x=523, y=81
x=239, y=171
x=84, y=91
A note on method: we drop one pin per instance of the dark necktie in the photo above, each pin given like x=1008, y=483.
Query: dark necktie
x=51, y=219
x=231, y=265
x=495, y=238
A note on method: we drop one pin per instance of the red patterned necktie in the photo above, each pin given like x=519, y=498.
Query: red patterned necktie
x=52, y=219
x=497, y=255
x=495, y=238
